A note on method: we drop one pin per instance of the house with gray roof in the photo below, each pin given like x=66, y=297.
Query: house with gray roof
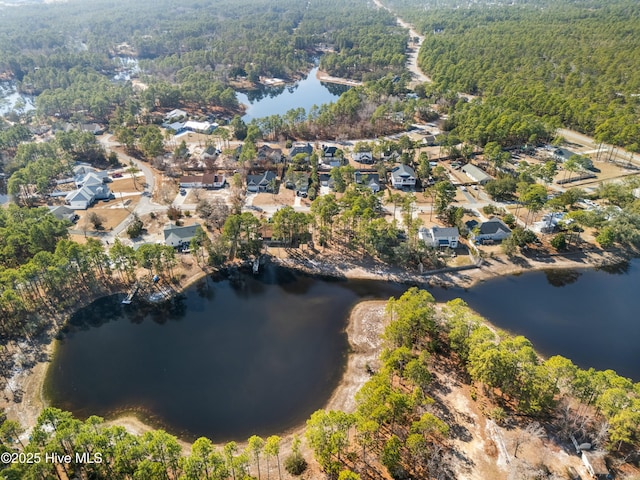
x=403, y=176
x=440, y=236
x=476, y=174
x=493, y=230
x=260, y=183
x=179, y=236
x=371, y=180
x=299, y=148
x=63, y=213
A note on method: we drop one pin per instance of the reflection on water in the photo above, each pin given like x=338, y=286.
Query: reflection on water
x=229, y=358
x=278, y=100
x=562, y=278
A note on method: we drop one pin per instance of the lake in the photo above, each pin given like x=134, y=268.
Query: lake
x=590, y=316
x=9, y=98
x=225, y=360
x=230, y=359
x=279, y=100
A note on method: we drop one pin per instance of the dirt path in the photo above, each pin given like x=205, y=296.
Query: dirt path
x=413, y=48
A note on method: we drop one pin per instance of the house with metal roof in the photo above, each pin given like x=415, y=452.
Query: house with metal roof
x=476, y=174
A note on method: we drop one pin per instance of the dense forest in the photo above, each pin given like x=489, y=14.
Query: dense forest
x=187, y=54
x=572, y=64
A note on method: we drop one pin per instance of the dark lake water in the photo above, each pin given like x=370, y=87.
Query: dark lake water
x=226, y=360
x=279, y=100
x=589, y=316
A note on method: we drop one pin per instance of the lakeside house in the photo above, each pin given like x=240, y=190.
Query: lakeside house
x=179, y=236
x=493, y=230
x=403, y=176
x=440, y=236
x=476, y=174
x=330, y=157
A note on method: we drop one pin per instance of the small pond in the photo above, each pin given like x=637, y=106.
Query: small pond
x=278, y=100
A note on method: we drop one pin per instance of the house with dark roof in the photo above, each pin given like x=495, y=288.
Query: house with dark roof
x=493, y=230
x=261, y=183
x=330, y=158
x=268, y=154
x=326, y=180
x=179, y=236
x=403, y=176
x=368, y=179
x=299, y=148
x=440, y=236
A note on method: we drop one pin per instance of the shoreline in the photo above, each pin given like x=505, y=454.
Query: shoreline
x=363, y=327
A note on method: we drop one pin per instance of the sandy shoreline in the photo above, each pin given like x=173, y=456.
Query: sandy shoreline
x=364, y=326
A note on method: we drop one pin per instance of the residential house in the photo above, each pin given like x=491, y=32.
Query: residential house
x=267, y=154
x=476, y=174
x=330, y=157
x=595, y=465
x=91, y=187
x=63, y=213
x=86, y=196
x=176, y=114
x=94, y=128
x=326, y=180
x=439, y=236
x=179, y=236
x=403, y=176
x=208, y=180
x=562, y=154
x=371, y=180
x=261, y=183
x=200, y=127
x=300, y=148
x=363, y=157
x=298, y=181
x=493, y=230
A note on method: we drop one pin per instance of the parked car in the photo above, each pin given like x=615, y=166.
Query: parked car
x=183, y=192
x=117, y=175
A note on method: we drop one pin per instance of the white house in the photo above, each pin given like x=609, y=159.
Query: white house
x=403, y=176
x=363, y=157
x=175, y=236
x=439, y=236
